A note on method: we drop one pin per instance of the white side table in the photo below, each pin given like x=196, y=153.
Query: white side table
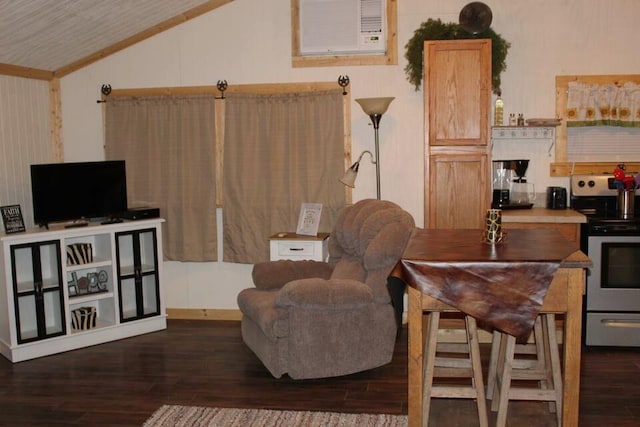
x=294, y=246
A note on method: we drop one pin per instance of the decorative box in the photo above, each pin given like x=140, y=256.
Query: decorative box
x=83, y=318
x=79, y=253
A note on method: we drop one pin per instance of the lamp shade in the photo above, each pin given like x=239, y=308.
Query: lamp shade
x=350, y=175
x=373, y=106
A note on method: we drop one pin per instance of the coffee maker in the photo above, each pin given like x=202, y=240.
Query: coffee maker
x=510, y=187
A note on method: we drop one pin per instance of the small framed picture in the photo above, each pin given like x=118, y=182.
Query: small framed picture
x=12, y=219
x=309, y=219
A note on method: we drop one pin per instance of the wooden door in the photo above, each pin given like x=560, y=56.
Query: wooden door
x=457, y=92
x=458, y=182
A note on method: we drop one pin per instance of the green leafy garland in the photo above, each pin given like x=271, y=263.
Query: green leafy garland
x=435, y=29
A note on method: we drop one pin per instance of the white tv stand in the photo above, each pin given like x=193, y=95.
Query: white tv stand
x=121, y=282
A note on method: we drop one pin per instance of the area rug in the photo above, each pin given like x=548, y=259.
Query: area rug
x=177, y=416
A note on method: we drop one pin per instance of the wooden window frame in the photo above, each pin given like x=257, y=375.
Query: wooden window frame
x=390, y=57
x=561, y=166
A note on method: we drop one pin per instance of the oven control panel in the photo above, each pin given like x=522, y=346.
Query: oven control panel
x=593, y=185
x=614, y=227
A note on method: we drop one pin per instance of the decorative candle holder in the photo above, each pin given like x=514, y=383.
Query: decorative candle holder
x=493, y=233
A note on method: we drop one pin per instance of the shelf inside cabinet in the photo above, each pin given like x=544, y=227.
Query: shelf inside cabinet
x=128, y=270
x=100, y=323
x=89, y=265
x=31, y=333
x=94, y=296
x=29, y=287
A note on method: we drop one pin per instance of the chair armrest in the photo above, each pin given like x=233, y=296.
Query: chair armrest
x=336, y=294
x=275, y=274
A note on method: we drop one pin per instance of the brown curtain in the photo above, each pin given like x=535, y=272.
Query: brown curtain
x=280, y=150
x=168, y=143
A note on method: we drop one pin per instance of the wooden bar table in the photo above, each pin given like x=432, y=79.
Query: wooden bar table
x=505, y=286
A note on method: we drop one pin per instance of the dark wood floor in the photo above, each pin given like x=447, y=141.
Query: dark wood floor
x=205, y=363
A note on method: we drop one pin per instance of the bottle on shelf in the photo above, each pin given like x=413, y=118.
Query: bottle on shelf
x=512, y=119
x=520, y=119
x=498, y=111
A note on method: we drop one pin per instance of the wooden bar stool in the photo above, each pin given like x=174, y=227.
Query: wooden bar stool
x=541, y=365
x=439, y=362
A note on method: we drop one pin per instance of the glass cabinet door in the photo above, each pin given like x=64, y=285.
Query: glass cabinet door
x=138, y=280
x=37, y=290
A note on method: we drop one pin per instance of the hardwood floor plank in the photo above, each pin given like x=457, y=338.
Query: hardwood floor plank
x=205, y=363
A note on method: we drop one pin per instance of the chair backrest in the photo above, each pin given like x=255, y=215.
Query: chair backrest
x=367, y=241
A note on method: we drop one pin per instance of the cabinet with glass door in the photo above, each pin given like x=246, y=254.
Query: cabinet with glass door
x=68, y=288
x=137, y=270
x=37, y=291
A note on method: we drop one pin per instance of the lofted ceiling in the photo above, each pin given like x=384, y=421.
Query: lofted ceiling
x=51, y=38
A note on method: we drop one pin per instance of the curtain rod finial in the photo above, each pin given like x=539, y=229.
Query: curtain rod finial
x=343, y=81
x=105, y=90
x=222, y=85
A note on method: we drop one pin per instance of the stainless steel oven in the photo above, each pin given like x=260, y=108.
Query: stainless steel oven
x=613, y=291
x=612, y=302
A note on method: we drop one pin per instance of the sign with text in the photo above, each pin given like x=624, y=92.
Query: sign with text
x=12, y=219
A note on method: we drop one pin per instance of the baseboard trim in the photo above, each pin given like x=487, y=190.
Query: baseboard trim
x=451, y=330
x=203, y=314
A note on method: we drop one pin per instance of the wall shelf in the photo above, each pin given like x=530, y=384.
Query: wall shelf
x=523, y=132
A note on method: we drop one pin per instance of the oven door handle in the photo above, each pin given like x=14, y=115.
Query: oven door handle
x=621, y=323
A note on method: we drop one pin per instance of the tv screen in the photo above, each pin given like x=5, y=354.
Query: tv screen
x=75, y=191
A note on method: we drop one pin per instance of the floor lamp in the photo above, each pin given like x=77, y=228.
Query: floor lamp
x=374, y=108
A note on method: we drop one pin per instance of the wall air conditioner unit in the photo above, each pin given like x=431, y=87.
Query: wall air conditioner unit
x=342, y=27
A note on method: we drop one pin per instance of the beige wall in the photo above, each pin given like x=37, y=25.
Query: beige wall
x=24, y=138
x=248, y=41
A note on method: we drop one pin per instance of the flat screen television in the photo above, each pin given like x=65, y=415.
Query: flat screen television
x=78, y=191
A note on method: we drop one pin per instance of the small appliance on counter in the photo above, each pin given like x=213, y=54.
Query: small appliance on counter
x=556, y=198
x=510, y=187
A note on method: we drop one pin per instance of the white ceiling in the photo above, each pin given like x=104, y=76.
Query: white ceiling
x=52, y=34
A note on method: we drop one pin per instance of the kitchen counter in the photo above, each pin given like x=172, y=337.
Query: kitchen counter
x=543, y=215
x=566, y=221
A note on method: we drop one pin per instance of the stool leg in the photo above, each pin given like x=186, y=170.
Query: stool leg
x=476, y=367
x=493, y=364
x=504, y=379
x=429, y=364
x=549, y=382
x=549, y=322
x=500, y=351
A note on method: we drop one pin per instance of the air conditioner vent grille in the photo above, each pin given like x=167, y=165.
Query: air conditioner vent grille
x=342, y=27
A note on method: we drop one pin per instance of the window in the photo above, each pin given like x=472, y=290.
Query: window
x=133, y=135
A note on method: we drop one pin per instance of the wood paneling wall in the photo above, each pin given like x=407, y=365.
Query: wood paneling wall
x=24, y=138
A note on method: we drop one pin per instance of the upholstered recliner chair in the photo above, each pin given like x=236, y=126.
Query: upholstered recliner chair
x=313, y=319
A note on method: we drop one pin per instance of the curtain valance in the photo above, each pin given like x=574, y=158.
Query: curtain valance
x=603, y=105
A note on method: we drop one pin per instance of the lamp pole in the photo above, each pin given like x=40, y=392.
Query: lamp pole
x=375, y=119
x=375, y=108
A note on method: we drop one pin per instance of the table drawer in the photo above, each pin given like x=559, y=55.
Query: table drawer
x=298, y=249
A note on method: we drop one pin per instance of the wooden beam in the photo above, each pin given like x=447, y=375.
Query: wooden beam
x=203, y=314
x=220, y=128
x=55, y=109
x=260, y=88
x=29, y=73
x=143, y=35
x=570, y=168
